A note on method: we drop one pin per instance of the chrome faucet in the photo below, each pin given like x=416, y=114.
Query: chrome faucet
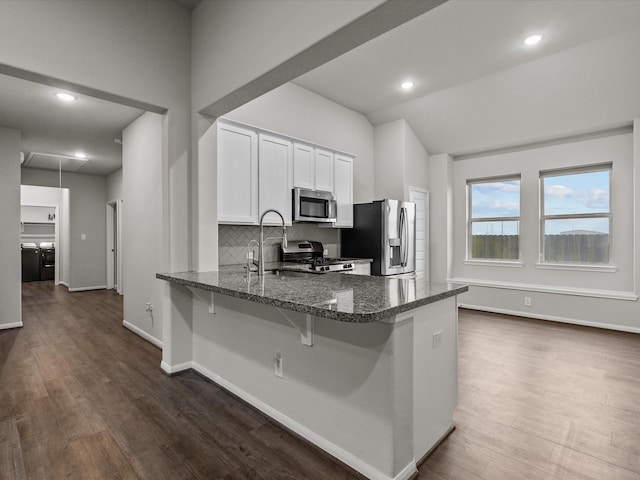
x=262, y=239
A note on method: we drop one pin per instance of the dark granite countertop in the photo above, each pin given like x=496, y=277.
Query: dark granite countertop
x=347, y=298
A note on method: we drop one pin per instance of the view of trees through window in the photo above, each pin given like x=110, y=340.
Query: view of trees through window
x=576, y=219
x=494, y=219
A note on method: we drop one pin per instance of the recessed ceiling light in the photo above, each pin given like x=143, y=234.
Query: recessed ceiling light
x=408, y=85
x=65, y=97
x=80, y=155
x=532, y=39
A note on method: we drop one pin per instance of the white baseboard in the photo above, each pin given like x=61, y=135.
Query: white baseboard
x=551, y=318
x=7, y=326
x=142, y=333
x=172, y=369
x=64, y=284
x=334, y=450
x=84, y=289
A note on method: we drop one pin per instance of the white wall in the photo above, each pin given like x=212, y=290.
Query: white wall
x=440, y=217
x=10, y=262
x=295, y=111
x=114, y=186
x=598, y=298
x=389, y=160
x=87, y=216
x=58, y=198
x=235, y=42
x=142, y=224
x=400, y=161
x=416, y=160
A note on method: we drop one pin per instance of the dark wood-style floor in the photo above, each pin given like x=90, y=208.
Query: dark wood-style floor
x=83, y=398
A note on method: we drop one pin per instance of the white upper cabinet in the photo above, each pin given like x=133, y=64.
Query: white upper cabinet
x=303, y=165
x=257, y=171
x=275, y=177
x=343, y=191
x=323, y=170
x=237, y=175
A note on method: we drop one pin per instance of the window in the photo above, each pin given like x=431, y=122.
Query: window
x=576, y=215
x=494, y=218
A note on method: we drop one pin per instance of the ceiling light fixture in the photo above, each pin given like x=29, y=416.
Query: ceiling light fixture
x=80, y=155
x=65, y=97
x=408, y=85
x=532, y=39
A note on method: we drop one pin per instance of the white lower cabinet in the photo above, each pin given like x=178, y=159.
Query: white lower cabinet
x=361, y=268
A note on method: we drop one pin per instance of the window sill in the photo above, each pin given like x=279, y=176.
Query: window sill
x=554, y=289
x=576, y=267
x=495, y=263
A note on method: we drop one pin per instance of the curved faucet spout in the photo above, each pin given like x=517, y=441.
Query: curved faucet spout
x=262, y=239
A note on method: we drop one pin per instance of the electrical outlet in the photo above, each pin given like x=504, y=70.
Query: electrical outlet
x=277, y=364
x=437, y=339
x=527, y=301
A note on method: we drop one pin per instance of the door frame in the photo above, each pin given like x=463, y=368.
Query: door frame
x=114, y=250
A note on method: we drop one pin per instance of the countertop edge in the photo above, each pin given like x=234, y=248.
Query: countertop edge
x=313, y=310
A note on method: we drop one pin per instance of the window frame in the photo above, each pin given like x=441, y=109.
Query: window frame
x=470, y=221
x=542, y=174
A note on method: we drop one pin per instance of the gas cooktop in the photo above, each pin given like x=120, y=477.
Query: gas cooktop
x=311, y=253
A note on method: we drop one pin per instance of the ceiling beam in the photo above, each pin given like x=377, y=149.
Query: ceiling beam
x=79, y=89
x=381, y=19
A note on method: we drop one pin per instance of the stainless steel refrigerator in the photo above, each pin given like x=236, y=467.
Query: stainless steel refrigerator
x=384, y=230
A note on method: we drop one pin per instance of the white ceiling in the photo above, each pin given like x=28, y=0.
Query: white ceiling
x=50, y=126
x=478, y=87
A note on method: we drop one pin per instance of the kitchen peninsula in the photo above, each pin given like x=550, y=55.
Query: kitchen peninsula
x=364, y=367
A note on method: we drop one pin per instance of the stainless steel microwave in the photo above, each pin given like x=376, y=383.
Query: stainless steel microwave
x=313, y=206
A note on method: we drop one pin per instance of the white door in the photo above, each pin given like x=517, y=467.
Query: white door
x=421, y=199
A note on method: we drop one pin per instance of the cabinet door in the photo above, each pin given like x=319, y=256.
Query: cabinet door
x=343, y=190
x=237, y=175
x=303, y=165
x=275, y=173
x=324, y=170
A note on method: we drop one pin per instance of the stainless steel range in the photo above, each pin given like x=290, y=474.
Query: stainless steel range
x=310, y=253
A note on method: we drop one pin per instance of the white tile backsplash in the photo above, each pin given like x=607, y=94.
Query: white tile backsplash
x=233, y=240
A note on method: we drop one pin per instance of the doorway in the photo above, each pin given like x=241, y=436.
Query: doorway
x=114, y=242
x=421, y=198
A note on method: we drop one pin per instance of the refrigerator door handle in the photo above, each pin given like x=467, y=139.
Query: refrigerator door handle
x=403, y=239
